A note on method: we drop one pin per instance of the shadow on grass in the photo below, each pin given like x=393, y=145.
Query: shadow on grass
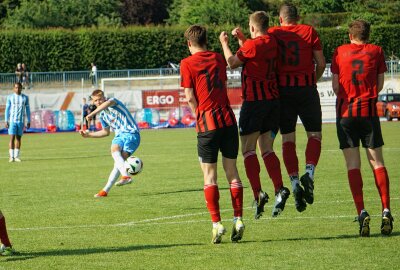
x=144, y=194
x=336, y=237
x=21, y=256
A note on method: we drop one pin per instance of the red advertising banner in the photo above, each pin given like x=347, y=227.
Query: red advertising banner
x=160, y=99
x=235, y=96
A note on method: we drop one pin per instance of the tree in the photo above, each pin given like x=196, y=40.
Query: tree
x=7, y=5
x=209, y=12
x=375, y=12
x=144, y=12
x=319, y=6
x=63, y=13
x=328, y=13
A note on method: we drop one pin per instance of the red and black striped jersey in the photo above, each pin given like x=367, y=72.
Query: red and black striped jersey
x=296, y=44
x=205, y=72
x=357, y=67
x=259, y=56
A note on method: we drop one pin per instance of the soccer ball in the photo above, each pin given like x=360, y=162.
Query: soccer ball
x=134, y=165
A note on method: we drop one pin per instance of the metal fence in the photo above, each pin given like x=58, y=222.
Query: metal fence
x=75, y=80
x=70, y=80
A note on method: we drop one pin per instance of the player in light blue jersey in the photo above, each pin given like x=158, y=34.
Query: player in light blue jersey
x=17, y=107
x=114, y=114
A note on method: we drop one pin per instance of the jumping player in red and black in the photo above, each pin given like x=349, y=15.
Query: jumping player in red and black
x=203, y=77
x=259, y=115
x=358, y=75
x=300, y=64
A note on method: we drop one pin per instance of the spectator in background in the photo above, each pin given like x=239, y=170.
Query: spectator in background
x=6, y=247
x=85, y=112
x=93, y=75
x=19, y=73
x=16, y=106
x=25, y=76
x=92, y=107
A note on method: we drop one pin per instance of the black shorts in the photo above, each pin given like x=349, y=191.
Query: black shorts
x=225, y=140
x=353, y=129
x=300, y=102
x=261, y=115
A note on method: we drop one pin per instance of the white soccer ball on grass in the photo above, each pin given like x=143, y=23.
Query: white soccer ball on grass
x=134, y=165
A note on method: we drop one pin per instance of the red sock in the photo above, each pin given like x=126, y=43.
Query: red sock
x=382, y=183
x=273, y=166
x=3, y=232
x=356, y=186
x=252, y=167
x=313, y=150
x=211, y=194
x=290, y=158
x=236, y=189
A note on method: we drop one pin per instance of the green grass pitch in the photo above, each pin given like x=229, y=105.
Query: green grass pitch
x=161, y=222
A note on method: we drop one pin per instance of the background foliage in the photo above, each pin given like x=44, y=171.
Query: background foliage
x=58, y=35
x=18, y=14
x=135, y=47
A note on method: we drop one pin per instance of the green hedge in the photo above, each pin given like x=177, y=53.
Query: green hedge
x=135, y=47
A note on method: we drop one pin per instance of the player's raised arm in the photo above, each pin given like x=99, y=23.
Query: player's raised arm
x=99, y=108
x=232, y=60
x=237, y=33
x=101, y=103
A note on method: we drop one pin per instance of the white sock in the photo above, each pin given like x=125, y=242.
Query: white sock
x=215, y=224
x=16, y=152
x=114, y=175
x=11, y=151
x=294, y=180
x=119, y=163
x=310, y=169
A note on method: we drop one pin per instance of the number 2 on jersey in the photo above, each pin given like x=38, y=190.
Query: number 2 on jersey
x=358, y=69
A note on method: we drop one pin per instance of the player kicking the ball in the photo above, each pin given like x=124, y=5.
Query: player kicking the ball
x=114, y=114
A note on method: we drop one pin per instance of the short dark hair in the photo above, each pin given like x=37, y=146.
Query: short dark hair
x=289, y=12
x=19, y=85
x=197, y=35
x=260, y=19
x=360, y=30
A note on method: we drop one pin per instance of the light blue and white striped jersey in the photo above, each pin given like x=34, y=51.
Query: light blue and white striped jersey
x=16, y=107
x=118, y=118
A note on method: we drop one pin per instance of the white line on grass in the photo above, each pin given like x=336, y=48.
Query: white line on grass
x=156, y=221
